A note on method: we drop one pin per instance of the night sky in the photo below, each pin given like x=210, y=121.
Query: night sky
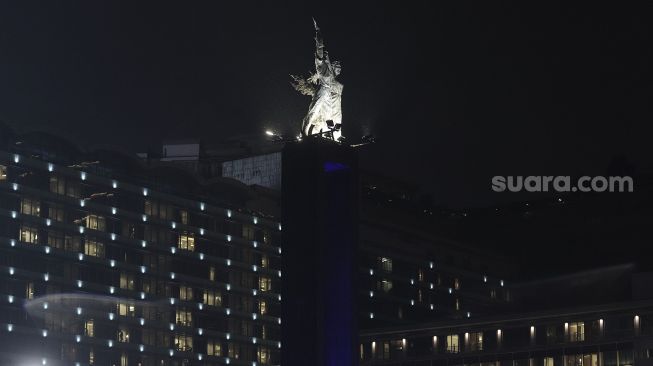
x=455, y=92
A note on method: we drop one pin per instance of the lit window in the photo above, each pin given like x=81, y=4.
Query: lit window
x=548, y=361
x=456, y=284
x=126, y=281
x=89, y=328
x=420, y=275
x=184, y=318
x=265, y=284
x=475, y=341
x=186, y=242
x=263, y=307
x=29, y=234
x=96, y=222
x=213, y=347
x=30, y=206
x=265, y=262
x=94, y=248
x=29, y=291
x=123, y=335
x=183, y=342
x=3, y=172
x=212, y=297
x=577, y=332
x=453, y=345
x=384, y=264
x=263, y=354
x=457, y=304
x=186, y=293
x=125, y=309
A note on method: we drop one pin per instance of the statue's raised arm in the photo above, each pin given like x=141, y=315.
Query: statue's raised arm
x=322, y=62
x=319, y=42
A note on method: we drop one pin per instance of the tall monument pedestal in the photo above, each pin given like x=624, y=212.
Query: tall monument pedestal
x=320, y=245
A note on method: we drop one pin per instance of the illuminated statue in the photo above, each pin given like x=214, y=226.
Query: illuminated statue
x=325, y=113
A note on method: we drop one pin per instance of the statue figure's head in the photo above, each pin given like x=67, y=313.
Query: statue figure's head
x=336, y=67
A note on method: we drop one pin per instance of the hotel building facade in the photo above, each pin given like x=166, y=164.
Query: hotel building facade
x=617, y=334
x=106, y=262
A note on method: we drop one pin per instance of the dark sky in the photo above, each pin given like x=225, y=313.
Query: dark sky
x=456, y=92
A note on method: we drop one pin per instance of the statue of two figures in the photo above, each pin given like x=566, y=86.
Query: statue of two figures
x=324, y=115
